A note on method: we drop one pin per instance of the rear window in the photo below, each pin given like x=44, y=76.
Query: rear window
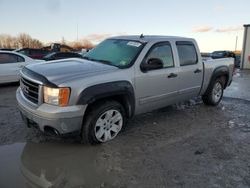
x=187, y=53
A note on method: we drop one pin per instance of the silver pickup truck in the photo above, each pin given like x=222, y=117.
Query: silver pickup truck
x=121, y=77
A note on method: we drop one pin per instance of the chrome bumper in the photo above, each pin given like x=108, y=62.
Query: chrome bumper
x=63, y=119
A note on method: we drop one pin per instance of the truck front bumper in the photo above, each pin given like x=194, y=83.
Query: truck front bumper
x=63, y=119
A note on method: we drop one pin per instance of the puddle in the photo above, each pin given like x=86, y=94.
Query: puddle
x=10, y=174
x=56, y=165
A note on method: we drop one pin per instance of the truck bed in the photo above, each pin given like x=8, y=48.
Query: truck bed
x=211, y=65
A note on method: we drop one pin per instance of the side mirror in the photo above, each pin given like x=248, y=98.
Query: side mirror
x=152, y=64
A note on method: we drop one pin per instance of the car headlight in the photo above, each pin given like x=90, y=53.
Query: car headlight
x=56, y=96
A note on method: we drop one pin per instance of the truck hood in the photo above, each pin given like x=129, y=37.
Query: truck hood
x=61, y=71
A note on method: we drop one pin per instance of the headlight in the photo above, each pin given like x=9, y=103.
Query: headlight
x=56, y=96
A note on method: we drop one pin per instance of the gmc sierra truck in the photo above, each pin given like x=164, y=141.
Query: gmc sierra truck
x=121, y=77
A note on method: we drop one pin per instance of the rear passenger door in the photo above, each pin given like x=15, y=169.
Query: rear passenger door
x=191, y=69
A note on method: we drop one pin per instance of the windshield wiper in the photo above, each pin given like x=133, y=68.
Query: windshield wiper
x=88, y=58
x=100, y=60
x=104, y=61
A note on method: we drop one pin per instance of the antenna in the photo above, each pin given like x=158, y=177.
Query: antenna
x=77, y=32
x=142, y=36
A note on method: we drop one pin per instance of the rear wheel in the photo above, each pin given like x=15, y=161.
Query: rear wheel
x=103, y=122
x=215, y=93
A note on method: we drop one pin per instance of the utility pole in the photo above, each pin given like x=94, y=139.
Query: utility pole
x=77, y=32
x=236, y=41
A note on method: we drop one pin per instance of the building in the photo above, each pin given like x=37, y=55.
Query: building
x=245, y=56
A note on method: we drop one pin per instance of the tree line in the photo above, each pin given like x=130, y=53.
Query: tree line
x=21, y=41
x=24, y=40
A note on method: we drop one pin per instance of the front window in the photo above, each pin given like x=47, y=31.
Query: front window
x=163, y=52
x=115, y=52
x=49, y=55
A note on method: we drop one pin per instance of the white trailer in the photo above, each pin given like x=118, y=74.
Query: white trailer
x=245, y=56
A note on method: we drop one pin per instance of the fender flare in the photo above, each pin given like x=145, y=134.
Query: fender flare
x=219, y=71
x=108, y=90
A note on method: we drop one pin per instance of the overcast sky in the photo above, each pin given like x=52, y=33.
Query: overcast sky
x=214, y=23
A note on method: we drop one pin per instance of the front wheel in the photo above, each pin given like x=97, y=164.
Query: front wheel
x=215, y=93
x=103, y=123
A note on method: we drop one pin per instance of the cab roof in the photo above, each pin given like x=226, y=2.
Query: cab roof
x=151, y=38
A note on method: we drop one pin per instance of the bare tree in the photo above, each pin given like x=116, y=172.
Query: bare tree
x=14, y=43
x=87, y=44
x=24, y=40
x=34, y=43
x=82, y=44
x=6, y=41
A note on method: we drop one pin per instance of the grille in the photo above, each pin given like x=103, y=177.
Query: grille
x=30, y=90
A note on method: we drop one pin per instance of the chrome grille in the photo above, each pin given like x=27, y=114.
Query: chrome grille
x=30, y=89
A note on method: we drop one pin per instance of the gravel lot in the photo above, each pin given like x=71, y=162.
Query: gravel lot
x=184, y=145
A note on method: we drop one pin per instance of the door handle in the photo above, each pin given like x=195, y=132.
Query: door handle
x=172, y=75
x=197, y=71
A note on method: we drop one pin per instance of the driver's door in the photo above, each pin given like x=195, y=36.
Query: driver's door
x=157, y=88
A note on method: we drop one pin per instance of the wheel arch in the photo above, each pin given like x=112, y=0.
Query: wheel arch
x=120, y=91
x=221, y=71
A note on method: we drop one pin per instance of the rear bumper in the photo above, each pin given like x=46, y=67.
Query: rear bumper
x=63, y=119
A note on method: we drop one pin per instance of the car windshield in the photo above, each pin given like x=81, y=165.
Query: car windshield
x=116, y=52
x=49, y=55
x=22, y=52
x=218, y=53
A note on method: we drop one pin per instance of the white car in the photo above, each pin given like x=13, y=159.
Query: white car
x=10, y=65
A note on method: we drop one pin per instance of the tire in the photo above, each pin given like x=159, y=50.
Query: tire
x=214, y=93
x=103, y=122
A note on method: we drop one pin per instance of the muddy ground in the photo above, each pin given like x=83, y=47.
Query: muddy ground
x=184, y=145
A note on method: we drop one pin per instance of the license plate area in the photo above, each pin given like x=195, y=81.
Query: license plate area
x=30, y=123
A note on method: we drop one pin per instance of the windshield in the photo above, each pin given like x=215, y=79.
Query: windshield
x=49, y=55
x=24, y=52
x=218, y=53
x=116, y=52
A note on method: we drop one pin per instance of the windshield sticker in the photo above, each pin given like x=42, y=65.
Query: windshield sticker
x=135, y=44
x=123, y=62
